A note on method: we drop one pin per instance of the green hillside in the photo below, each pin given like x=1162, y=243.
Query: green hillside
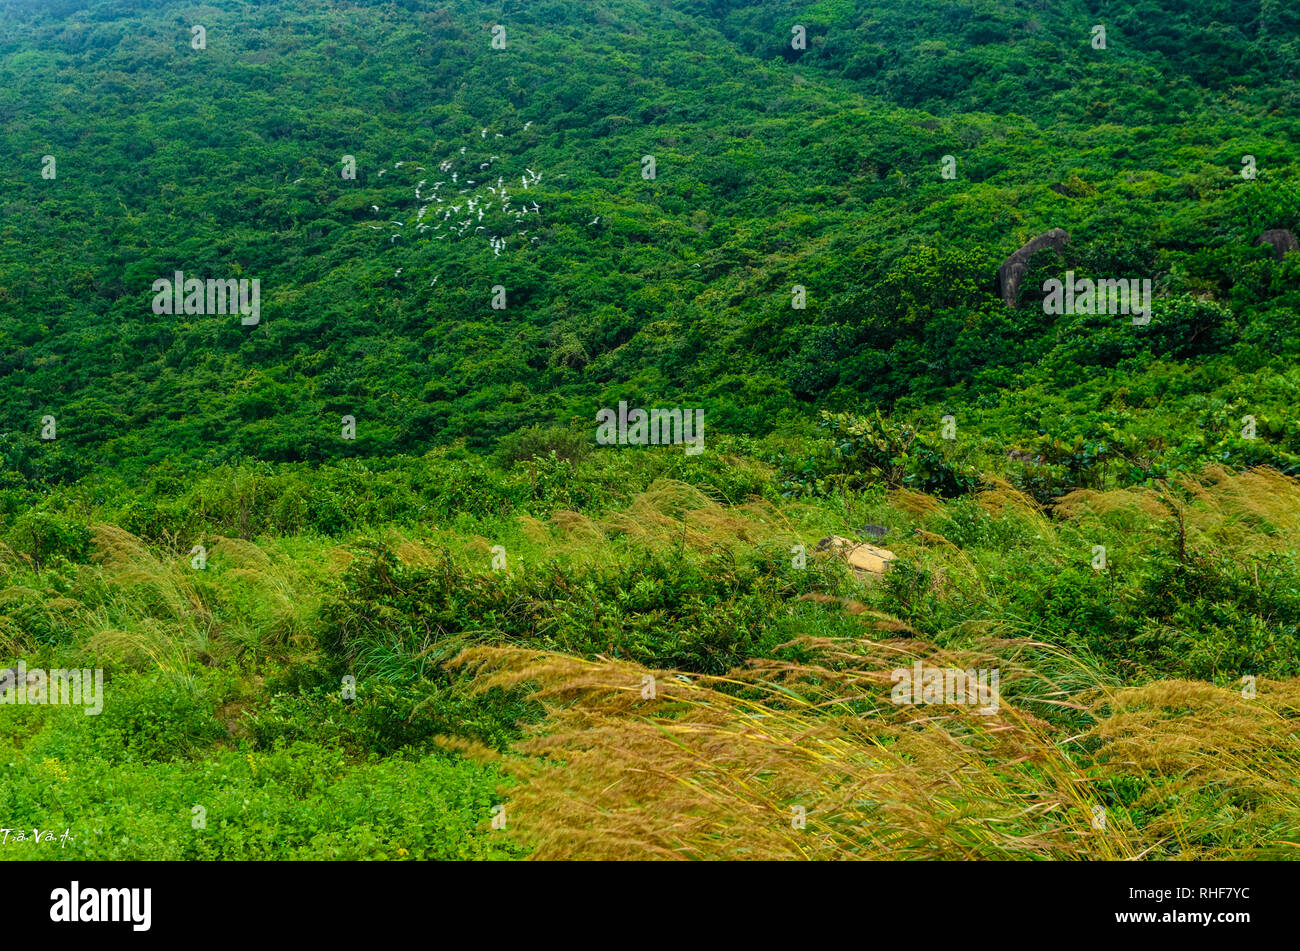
x=772, y=169
x=789, y=216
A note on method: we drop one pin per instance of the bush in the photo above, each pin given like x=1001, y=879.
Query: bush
x=44, y=537
x=532, y=442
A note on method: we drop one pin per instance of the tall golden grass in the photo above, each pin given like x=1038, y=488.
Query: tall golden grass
x=719, y=767
x=160, y=611
x=714, y=767
x=1256, y=511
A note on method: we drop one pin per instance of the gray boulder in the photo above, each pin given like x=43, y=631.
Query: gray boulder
x=1282, y=241
x=1013, y=269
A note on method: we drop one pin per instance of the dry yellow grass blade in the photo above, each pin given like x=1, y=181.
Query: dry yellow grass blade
x=671, y=512
x=156, y=586
x=164, y=608
x=727, y=767
x=241, y=553
x=148, y=644
x=1183, y=739
x=1256, y=511
x=915, y=503
x=12, y=559
x=11, y=639
x=1003, y=498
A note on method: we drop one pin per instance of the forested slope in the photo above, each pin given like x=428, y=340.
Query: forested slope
x=774, y=167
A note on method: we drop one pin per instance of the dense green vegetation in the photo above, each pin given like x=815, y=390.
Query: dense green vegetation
x=375, y=557
x=772, y=170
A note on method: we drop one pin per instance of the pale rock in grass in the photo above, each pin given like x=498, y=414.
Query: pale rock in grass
x=867, y=561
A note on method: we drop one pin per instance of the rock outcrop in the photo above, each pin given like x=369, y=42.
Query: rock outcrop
x=867, y=561
x=1013, y=269
x=1282, y=241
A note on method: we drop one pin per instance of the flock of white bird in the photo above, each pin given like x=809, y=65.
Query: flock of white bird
x=457, y=204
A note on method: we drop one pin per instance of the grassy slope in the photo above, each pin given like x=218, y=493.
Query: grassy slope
x=225, y=683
